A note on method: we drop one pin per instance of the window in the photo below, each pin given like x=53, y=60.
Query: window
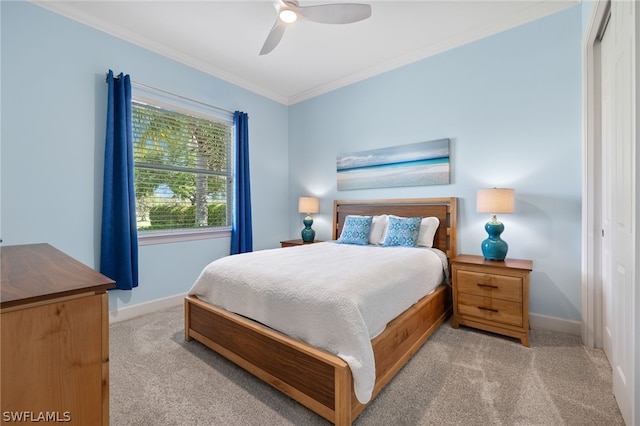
x=183, y=172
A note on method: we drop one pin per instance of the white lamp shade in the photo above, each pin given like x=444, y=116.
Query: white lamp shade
x=308, y=205
x=495, y=200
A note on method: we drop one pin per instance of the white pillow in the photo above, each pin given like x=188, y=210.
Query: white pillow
x=428, y=228
x=378, y=228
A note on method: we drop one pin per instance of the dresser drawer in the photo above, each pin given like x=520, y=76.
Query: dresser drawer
x=496, y=310
x=490, y=285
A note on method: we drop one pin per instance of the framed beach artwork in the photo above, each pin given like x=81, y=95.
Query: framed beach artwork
x=416, y=164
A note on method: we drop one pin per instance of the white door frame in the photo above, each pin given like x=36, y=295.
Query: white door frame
x=591, y=177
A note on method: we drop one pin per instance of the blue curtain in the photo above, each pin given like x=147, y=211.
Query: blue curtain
x=119, y=244
x=241, y=230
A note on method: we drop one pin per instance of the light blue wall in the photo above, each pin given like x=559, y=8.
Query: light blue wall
x=53, y=124
x=511, y=106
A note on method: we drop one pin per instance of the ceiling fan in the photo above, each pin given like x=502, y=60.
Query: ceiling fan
x=333, y=13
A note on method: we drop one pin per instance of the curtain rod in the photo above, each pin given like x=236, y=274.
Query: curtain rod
x=106, y=79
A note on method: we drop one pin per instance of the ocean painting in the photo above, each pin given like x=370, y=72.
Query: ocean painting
x=416, y=164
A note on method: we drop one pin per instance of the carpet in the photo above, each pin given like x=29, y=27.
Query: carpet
x=459, y=377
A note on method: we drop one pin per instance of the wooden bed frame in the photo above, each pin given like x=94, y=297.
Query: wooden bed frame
x=319, y=380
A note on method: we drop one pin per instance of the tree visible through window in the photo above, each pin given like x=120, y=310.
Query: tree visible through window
x=183, y=169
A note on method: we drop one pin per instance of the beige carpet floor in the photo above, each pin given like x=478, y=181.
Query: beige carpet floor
x=459, y=377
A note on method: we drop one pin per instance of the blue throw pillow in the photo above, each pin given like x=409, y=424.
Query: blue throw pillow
x=356, y=230
x=402, y=231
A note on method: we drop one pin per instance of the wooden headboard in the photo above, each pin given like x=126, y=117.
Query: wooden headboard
x=444, y=209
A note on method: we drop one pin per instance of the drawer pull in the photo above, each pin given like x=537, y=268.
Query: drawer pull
x=487, y=285
x=482, y=308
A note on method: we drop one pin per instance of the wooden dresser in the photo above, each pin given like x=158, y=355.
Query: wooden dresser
x=54, y=319
x=492, y=295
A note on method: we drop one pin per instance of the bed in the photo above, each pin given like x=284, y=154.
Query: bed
x=315, y=377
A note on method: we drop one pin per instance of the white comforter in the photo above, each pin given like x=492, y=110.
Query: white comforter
x=333, y=296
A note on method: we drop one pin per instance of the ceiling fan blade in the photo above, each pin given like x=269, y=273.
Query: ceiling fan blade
x=274, y=37
x=336, y=13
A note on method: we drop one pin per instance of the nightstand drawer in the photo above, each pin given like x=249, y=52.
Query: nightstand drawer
x=490, y=285
x=491, y=309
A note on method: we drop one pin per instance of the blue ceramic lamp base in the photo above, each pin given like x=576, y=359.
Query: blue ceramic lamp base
x=308, y=234
x=494, y=248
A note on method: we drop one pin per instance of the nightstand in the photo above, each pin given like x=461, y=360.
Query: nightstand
x=492, y=295
x=298, y=242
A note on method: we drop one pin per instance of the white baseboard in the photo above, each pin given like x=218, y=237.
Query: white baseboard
x=145, y=308
x=535, y=320
x=555, y=324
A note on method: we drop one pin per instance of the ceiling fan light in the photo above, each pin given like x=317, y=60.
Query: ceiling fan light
x=288, y=16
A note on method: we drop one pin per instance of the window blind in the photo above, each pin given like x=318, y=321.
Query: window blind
x=183, y=169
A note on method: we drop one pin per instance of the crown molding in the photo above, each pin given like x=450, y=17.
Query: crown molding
x=538, y=10
x=64, y=8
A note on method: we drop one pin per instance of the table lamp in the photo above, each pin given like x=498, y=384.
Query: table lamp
x=494, y=201
x=308, y=205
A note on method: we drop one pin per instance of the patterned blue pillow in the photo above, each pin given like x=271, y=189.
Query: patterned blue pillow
x=402, y=231
x=356, y=230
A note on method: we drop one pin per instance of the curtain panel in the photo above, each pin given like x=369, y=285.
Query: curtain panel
x=119, y=241
x=241, y=229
